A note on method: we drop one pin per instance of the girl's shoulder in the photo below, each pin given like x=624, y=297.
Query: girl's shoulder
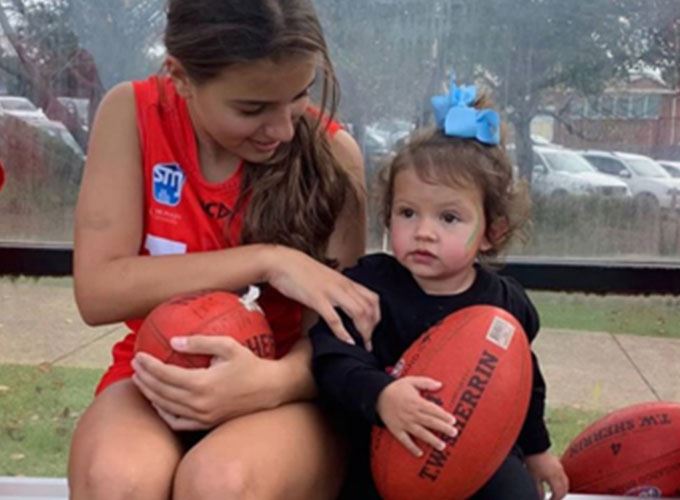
x=116, y=111
x=347, y=152
x=120, y=94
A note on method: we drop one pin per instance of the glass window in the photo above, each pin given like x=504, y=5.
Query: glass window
x=593, y=107
x=606, y=105
x=653, y=108
x=566, y=161
x=638, y=106
x=622, y=107
x=391, y=56
x=647, y=168
x=606, y=72
x=606, y=165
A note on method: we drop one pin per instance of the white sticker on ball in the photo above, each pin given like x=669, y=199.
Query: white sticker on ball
x=500, y=332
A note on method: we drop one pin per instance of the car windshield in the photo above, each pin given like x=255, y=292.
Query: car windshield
x=566, y=161
x=16, y=105
x=674, y=170
x=647, y=168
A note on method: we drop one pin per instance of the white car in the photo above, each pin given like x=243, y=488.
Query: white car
x=59, y=131
x=672, y=167
x=21, y=107
x=646, y=179
x=559, y=172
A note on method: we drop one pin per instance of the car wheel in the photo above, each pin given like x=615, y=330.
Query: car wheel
x=647, y=202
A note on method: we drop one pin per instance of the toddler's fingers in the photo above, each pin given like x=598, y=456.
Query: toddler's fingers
x=406, y=440
x=427, y=437
x=436, y=411
x=435, y=424
x=559, y=484
x=425, y=383
x=540, y=488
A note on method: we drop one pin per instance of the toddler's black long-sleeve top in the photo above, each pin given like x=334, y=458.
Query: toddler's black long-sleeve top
x=350, y=378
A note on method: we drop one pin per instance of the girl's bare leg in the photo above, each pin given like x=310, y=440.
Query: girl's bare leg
x=289, y=453
x=121, y=449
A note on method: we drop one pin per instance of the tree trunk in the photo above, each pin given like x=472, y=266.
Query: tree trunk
x=41, y=85
x=523, y=147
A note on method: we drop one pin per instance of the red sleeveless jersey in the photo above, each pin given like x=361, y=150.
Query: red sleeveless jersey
x=184, y=213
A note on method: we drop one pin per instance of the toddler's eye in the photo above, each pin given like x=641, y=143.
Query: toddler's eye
x=449, y=217
x=405, y=212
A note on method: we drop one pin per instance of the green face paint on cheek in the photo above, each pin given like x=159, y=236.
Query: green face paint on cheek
x=473, y=236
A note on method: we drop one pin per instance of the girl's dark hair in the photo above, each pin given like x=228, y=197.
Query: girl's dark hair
x=458, y=162
x=297, y=196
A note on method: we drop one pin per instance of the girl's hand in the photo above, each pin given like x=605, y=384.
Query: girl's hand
x=236, y=383
x=320, y=288
x=546, y=468
x=407, y=414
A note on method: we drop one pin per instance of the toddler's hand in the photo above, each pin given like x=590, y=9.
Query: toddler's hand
x=546, y=468
x=407, y=414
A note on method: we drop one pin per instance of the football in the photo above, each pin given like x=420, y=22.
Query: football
x=633, y=451
x=205, y=313
x=482, y=357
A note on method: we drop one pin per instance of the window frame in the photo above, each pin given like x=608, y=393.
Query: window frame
x=534, y=273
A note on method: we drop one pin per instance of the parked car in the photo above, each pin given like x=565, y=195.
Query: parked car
x=559, y=172
x=21, y=107
x=647, y=180
x=672, y=167
x=375, y=144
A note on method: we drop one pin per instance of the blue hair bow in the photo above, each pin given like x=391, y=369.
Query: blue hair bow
x=457, y=118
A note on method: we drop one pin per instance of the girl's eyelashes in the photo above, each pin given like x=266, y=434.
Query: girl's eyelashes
x=257, y=109
x=252, y=111
x=449, y=217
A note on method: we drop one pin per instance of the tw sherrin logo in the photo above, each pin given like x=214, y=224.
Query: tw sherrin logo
x=168, y=181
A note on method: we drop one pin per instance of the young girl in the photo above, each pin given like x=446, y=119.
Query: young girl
x=450, y=202
x=216, y=176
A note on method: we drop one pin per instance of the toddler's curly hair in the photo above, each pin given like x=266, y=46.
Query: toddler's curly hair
x=461, y=162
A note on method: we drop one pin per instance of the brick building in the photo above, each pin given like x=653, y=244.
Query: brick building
x=640, y=116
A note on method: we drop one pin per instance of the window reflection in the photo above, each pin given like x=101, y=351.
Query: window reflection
x=586, y=77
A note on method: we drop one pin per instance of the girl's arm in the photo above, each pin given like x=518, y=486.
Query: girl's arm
x=195, y=399
x=113, y=283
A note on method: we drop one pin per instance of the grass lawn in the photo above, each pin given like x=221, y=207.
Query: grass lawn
x=40, y=407
x=566, y=423
x=657, y=316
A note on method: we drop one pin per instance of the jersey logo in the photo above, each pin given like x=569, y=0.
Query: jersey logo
x=215, y=209
x=168, y=181
x=157, y=245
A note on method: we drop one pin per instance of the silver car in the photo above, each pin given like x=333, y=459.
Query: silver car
x=647, y=180
x=559, y=172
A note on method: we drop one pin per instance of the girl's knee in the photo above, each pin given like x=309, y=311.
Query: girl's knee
x=201, y=475
x=116, y=472
x=114, y=478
